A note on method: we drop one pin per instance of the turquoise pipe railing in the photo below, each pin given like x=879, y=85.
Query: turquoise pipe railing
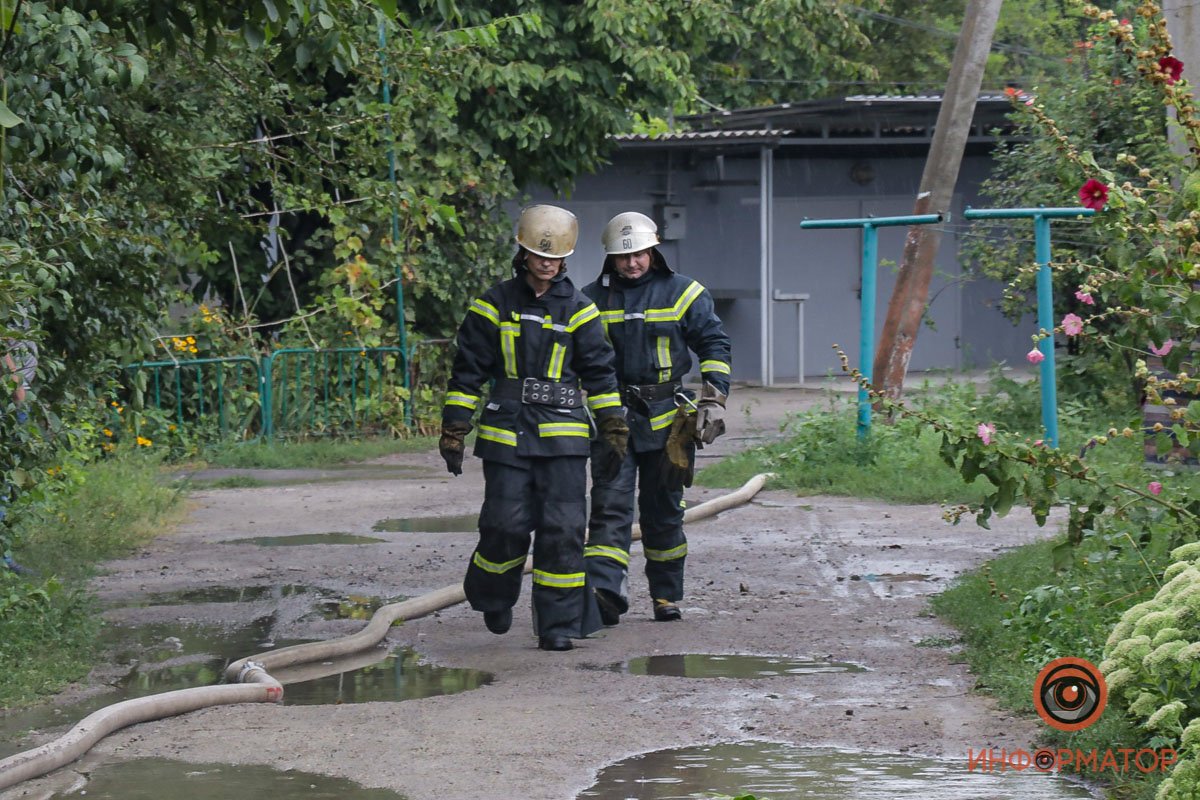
x=182, y=410
x=391, y=162
x=339, y=388
x=292, y=388
x=869, y=266
x=1041, y=217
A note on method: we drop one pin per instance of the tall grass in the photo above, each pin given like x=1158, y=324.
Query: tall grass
x=48, y=622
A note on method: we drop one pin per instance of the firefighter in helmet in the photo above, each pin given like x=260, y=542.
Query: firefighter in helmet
x=540, y=345
x=653, y=316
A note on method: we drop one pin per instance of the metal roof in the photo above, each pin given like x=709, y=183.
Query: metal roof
x=918, y=98
x=694, y=138
x=857, y=119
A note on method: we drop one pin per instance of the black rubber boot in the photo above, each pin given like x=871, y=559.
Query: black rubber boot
x=558, y=643
x=666, y=611
x=610, y=609
x=498, y=621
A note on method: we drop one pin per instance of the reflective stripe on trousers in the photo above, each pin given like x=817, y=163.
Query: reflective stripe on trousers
x=547, y=499
x=610, y=529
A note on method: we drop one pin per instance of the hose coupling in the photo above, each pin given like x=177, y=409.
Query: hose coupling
x=247, y=668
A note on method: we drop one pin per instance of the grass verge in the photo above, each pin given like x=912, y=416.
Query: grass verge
x=1015, y=615
x=313, y=452
x=48, y=622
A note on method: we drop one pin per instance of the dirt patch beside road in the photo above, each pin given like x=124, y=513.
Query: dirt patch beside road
x=822, y=578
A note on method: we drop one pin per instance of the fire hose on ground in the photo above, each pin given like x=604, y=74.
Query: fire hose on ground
x=249, y=679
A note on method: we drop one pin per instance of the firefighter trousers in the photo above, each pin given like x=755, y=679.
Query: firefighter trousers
x=610, y=530
x=545, y=502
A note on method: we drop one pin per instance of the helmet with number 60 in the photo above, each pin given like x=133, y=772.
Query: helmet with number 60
x=629, y=232
x=548, y=231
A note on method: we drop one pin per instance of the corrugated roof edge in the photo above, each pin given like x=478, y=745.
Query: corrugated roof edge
x=688, y=136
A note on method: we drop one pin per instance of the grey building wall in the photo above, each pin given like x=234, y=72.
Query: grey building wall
x=719, y=246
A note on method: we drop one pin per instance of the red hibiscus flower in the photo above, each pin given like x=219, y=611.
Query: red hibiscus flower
x=1093, y=194
x=1171, y=68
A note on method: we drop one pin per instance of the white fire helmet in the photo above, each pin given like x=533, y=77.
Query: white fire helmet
x=630, y=232
x=548, y=231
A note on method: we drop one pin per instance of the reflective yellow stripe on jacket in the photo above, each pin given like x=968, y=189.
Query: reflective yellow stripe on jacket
x=582, y=316
x=494, y=567
x=462, y=399
x=557, y=580
x=601, y=550
x=665, y=555
x=557, y=355
x=509, y=331
x=486, y=310
x=601, y=401
x=715, y=366
x=662, y=420
x=547, y=429
x=676, y=312
x=498, y=435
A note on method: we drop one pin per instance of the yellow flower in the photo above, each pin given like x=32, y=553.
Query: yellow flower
x=193, y=350
x=171, y=427
x=191, y=340
x=143, y=441
x=107, y=433
x=108, y=447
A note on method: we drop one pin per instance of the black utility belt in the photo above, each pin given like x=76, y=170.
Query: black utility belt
x=536, y=391
x=651, y=392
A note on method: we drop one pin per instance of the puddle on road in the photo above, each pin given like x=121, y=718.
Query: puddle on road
x=465, y=523
x=163, y=657
x=306, y=539
x=769, y=770
x=221, y=594
x=374, y=675
x=149, y=779
x=355, y=606
x=730, y=666
x=240, y=478
x=893, y=577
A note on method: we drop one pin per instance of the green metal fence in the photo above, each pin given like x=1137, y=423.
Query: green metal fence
x=223, y=391
x=331, y=391
x=290, y=392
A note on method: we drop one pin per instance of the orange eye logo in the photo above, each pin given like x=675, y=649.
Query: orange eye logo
x=1069, y=694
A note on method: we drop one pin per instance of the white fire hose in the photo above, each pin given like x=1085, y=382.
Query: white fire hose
x=250, y=680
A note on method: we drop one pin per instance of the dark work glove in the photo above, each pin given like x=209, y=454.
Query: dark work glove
x=452, y=444
x=710, y=418
x=678, y=463
x=613, y=444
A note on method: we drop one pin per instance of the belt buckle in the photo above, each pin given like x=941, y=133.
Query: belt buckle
x=534, y=391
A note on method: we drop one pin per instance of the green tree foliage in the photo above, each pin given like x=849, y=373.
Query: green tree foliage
x=912, y=43
x=548, y=95
x=1105, y=105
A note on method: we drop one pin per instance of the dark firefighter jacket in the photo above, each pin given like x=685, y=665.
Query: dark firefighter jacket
x=509, y=335
x=652, y=323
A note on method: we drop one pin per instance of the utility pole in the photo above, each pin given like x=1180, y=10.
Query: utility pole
x=909, y=298
x=1183, y=25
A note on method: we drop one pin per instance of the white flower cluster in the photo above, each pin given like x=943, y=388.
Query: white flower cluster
x=1152, y=661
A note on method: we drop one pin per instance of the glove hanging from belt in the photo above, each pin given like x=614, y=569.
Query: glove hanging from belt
x=613, y=444
x=710, y=416
x=678, y=463
x=452, y=444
